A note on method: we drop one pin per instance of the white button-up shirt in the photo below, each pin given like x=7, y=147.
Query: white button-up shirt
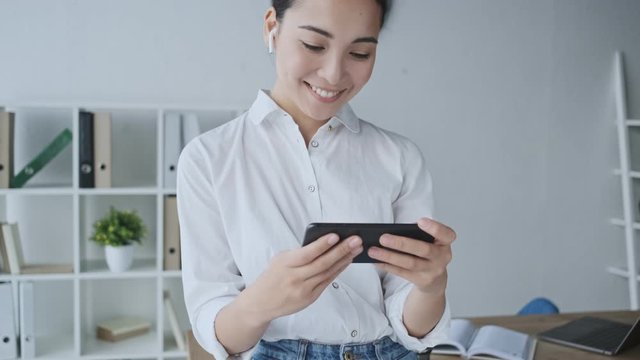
x=248, y=189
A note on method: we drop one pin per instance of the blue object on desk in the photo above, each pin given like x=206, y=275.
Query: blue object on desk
x=539, y=306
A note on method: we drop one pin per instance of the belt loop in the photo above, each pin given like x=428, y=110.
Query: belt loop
x=302, y=349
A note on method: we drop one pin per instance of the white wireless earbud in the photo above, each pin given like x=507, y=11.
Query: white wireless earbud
x=272, y=35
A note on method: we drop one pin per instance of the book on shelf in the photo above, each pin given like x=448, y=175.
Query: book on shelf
x=12, y=244
x=27, y=323
x=486, y=342
x=86, y=156
x=102, y=149
x=8, y=333
x=43, y=158
x=173, y=321
x=172, y=254
x=190, y=128
x=121, y=328
x=7, y=120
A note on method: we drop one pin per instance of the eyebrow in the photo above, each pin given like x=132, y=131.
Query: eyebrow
x=365, y=39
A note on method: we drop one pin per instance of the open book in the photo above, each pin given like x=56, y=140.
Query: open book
x=486, y=342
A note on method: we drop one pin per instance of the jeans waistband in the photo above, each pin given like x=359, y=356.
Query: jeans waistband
x=384, y=348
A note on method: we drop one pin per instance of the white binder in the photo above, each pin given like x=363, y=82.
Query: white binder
x=27, y=326
x=172, y=147
x=8, y=338
x=190, y=128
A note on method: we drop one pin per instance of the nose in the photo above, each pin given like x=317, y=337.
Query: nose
x=332, y=69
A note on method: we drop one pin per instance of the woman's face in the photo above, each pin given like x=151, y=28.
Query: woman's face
x=325, y=51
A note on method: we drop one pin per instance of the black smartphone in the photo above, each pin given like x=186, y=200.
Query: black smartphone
x=370, y=234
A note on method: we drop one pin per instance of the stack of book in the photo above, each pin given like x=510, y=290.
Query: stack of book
x=12, y=256
x=121, y=328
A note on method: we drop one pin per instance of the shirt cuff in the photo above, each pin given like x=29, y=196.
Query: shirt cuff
x=395, y=308
x=204, y=329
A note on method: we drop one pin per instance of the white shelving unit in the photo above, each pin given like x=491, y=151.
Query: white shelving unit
x=628, y=174
x=55, y=217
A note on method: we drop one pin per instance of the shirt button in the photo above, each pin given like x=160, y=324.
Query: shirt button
x=330, y=127
x=335, y=285
x=314, y=143
x=354, y=333
x=311, y=188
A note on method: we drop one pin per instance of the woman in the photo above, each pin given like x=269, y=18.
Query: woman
x=248, y=189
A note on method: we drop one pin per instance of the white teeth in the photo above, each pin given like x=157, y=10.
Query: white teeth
x=324, y=93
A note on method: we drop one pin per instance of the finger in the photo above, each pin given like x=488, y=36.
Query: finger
x=345, y=250
x=405, y=261
x=323, y=280
x=396, y=270
x=408, y=245
x=441, y=232
x=308, y=253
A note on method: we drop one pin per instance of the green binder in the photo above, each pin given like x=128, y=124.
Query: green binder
x=50, y=151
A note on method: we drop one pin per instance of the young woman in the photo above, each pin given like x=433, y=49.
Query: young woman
x=248, y=189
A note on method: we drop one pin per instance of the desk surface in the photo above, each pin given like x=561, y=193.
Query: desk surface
x=533, y=324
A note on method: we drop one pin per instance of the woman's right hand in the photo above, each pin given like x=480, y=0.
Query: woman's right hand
x=294, y=279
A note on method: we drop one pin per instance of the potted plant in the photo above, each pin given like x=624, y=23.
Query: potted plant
x=118, y=231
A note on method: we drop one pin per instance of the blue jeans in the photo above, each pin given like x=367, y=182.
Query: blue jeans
x=383, y=349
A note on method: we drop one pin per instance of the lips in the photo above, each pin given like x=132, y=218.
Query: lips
x=324, y=95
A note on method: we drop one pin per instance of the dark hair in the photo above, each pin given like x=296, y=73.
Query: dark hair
x=281, y=7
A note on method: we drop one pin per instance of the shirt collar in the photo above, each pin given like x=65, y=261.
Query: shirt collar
x=264, y=106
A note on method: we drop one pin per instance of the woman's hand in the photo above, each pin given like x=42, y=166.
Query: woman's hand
x=295, y=279
x=421, y=263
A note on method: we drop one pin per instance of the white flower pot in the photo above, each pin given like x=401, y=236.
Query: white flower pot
x=119, y=258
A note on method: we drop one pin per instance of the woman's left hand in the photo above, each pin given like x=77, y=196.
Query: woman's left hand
x=423, y=264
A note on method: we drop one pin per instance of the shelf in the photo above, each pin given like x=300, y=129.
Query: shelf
x=138, y=347
x=632, y=122
x=621, y=272
x=97, y=269
x=620, y=222
x=632, y=174
x=56, y=220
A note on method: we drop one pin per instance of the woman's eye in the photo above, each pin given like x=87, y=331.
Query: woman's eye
x=312, y=47
x=360, y=56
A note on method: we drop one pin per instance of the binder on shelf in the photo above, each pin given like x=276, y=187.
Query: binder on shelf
x=172, y=147
x=8, y=336
x=173, y=321
x=10, y=239
x=43, y=158
x=190, y=128
x=122, y=328
x=102, y=149
x=172, y=254
x=85, y=138
x=7, y=120
x=27, y=323
x=4, y=256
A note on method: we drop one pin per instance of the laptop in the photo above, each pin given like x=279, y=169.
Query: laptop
x=595, y=334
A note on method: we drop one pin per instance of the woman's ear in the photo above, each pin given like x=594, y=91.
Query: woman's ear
x=270, y=27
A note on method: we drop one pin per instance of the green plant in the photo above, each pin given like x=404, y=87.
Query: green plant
x=119, y=228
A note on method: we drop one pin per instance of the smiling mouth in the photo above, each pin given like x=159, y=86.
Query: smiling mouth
x=323, y=94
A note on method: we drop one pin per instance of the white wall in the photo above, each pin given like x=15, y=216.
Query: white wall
x=511, y=102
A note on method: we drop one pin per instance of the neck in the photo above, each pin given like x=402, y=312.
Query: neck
x=307, y=125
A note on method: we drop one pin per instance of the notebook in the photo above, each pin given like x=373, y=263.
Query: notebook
x=595, y=334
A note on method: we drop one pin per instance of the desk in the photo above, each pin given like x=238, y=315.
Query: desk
x=533, y=324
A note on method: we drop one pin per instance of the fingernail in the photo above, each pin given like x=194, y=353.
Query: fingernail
x=374, y=252
x=425, y=222
x=357, y=251
x=333, y=239
x=354, y=242
x=385, y=240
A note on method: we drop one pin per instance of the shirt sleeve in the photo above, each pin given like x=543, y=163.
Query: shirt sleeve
x=210, y=277
x=414, y=201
